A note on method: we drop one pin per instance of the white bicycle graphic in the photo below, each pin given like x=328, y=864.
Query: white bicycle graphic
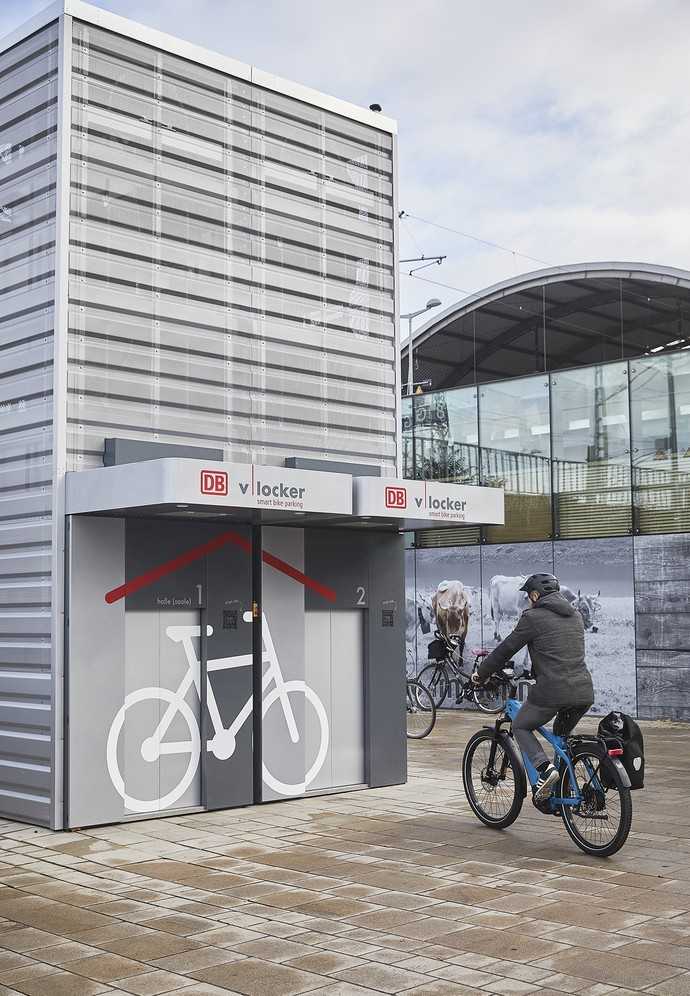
x=223, y=742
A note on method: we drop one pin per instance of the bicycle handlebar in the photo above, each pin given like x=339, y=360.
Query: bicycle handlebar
x=179, y=633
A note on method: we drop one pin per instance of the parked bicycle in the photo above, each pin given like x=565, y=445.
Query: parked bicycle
x=447, y=672
x=592, y=795
x=421, y=710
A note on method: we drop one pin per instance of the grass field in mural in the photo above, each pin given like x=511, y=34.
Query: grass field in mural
x=595, y=574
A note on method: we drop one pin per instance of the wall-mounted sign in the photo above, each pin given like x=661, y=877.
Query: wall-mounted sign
x=427, y=501
x=189, y=483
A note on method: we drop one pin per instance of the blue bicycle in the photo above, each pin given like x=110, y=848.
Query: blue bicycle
x=592, y=795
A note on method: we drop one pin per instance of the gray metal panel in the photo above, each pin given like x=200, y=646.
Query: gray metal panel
x=118, y=451
x=283, y=616
x=332, y=466
x=367, y=570
x=232, y=278
x=27, y=179
x=348, y=697
x=95, y=666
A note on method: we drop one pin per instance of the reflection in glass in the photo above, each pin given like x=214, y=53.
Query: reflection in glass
x=515, y=455
x=407, y=438
x=660, y=406
x=591, y=447
x=446, y=436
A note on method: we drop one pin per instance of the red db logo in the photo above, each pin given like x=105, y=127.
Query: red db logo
x=214, y=482
x=396, y=498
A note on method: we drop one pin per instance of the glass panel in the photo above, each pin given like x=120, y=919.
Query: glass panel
x=515, y=455
x=660, y=405
x=446, y=436
x=407, y=438
x=591, y=452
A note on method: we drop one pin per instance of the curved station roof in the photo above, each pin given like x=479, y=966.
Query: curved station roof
x=552, y=319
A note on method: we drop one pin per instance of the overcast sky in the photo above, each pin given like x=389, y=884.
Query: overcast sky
x=561, y=130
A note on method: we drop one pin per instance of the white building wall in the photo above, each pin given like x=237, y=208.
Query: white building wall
x=28, y=167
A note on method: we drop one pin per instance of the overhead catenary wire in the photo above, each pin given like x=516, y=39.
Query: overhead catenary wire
x=474, y=238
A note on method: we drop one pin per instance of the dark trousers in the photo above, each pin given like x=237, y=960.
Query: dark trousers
x=531, y=716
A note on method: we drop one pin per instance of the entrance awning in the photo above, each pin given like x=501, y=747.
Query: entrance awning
x=181, y=488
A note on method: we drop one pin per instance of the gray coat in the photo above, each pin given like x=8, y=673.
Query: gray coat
x=554, y=634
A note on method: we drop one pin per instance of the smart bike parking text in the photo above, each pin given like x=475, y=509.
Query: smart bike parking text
x=279, y=495
x=446, y=508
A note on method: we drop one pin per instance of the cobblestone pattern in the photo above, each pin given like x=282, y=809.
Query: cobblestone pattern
x=382, y=891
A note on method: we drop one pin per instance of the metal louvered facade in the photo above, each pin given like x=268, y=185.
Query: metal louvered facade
x=231, y=264
x=28, y=171
x=192, y=252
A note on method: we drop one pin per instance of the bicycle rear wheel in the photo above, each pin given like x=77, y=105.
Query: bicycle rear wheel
x=494, y=790
x=600, y=824
x=421, y=711
x=435, y=678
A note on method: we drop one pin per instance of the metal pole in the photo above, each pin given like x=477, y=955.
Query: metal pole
x=257, y=663
x=410, y=375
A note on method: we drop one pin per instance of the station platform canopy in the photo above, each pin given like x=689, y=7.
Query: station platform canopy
x=553, y=319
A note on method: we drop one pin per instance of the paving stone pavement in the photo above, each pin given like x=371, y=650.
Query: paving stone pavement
x=381, y=891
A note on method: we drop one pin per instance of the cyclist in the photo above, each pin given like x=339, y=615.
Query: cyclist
x=553, y=631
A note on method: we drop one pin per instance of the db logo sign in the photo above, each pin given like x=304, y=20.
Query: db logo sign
x=214, y=482
x=396, y=498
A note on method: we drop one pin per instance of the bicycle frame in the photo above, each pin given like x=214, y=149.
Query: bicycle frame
x=186, y=635
x=561, y=753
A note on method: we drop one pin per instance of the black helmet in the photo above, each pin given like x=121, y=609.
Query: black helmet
x=543, y=583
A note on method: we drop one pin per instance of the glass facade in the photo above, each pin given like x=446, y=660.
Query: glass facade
x=574, y=397
x=591, y=452
x=660, y=408
x=515, y=451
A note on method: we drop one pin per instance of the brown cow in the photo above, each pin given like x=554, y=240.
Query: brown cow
x=451, y=606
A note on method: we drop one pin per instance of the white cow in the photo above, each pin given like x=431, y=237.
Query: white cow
x=506, y=599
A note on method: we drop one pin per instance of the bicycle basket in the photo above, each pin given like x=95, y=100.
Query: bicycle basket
x=437, y=650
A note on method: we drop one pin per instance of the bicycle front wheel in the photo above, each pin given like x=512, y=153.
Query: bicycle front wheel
x=494, y=788
x=600, y=824
x=435, y=678
x=421, y=711
x=491, y=698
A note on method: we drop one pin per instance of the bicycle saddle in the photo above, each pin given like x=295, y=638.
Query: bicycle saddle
x=478, y=652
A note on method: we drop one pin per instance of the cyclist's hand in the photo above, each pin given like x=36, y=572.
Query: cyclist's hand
x=476, y=680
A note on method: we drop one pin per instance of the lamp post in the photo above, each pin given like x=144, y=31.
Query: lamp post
x=433, y=302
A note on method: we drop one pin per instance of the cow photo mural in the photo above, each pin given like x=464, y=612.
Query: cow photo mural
x=443, y=593
x=474, y=592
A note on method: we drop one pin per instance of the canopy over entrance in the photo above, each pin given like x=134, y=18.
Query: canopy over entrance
x=181, y=488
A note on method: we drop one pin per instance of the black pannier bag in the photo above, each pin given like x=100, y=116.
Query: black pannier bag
x=436, y=650
x=621, y=730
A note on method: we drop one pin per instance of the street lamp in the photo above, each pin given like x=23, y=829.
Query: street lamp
x=433, y=302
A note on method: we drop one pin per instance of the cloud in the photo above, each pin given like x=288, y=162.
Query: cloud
x=557, y=129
